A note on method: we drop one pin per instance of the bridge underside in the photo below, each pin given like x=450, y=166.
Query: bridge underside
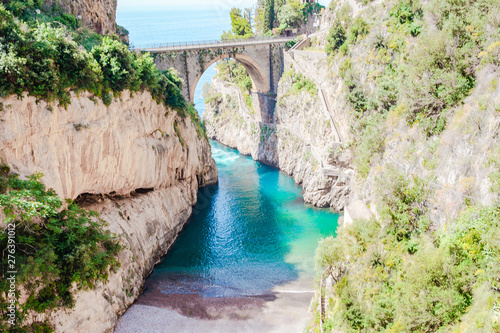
x=263, y=62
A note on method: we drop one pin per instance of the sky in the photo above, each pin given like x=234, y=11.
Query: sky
x=218, y=4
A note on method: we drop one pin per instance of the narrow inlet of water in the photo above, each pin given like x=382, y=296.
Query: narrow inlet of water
x=249, y=233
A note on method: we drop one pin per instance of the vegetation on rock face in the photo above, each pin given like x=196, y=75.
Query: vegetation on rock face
x=195, y=120
x=397, y=274
x=426, y=58
x=57, y=251
x=230, y=70
x=300, y=83
x=401, y=272
x=46, y=61
x=211, y=97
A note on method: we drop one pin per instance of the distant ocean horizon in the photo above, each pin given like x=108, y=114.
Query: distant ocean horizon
x=147, y=26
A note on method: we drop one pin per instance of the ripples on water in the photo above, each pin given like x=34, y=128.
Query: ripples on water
x=247, y=234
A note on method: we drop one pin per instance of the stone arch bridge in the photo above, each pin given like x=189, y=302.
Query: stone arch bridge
x=262, y=58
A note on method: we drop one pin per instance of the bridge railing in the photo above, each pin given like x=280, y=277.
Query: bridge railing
x=206, y=42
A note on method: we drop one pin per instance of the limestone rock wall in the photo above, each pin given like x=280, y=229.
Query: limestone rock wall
x=91, y=148
x=309, y=144
x=148, y=225
x=99, y=14
x=302, y=140
x=454, y=164
x=143, y=177
x=232, y=122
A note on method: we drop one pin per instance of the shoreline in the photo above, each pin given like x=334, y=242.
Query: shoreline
x=284, y=309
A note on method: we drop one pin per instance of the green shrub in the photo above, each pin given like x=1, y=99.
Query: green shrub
x=429, y=70
x=436, y=291
x=404, y=204
x=474, y=237
x=344, y=32
x=87, y=38
x=210, y=96
x=438, y=79
x=385, y=287
x=357, y=99
x=302, y=83
x=195, y=119
x=359, y=29
x=69, y=20
x=24, y=9
x=47, y=64
x=241, y=27
x=291, y=43
x=55, y=248
x=299, y=83
x=369, y=143
x=336, y=37
x=443, y=63
x=230, y=70
x=116, y=62
x=169, y=90
x=44, y=63
x=406, y=14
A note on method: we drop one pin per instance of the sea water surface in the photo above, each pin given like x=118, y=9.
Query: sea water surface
x=249, y=233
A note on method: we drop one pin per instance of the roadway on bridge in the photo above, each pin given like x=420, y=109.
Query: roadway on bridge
x=214, y=44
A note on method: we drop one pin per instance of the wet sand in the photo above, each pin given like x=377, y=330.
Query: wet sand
x=284, y=309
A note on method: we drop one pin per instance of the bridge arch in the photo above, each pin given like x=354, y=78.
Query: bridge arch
x=257, y=74
x=262, y=58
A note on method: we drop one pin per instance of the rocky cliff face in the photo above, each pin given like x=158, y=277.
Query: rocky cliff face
x=314, y=131
x=231, y=121
x=454, y=163
x=129, y=162
x=309, y=140
x=304, y=139
x=447, y=164
x=98, y=14
x=91, y=148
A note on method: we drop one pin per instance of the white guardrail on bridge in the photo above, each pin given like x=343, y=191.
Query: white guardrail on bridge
x=210, y=44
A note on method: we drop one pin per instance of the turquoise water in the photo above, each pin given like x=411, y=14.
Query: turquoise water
x=248, y=233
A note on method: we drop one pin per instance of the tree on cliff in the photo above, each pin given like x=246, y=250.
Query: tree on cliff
x=241, y=27
x=290, y=14
x=264, y=16
x=268, y=16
